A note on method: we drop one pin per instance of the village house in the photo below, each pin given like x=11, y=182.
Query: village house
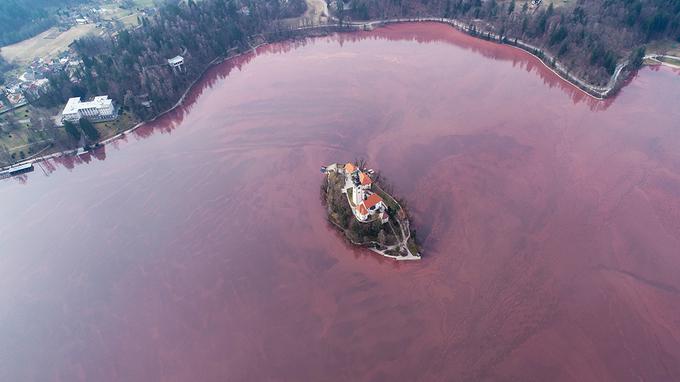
x=97, y=110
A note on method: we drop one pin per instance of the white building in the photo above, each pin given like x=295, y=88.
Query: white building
x=99, y=109
x=176, y=63
x=364, y=203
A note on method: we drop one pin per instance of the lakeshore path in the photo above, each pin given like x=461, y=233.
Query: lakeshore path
x=656, y=58
x=320, y=9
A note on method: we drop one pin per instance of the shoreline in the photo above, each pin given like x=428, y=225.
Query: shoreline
x=81, y=150
x=598, y=93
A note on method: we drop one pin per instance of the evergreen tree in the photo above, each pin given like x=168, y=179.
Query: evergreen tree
x=88, y=128
x=72, y=130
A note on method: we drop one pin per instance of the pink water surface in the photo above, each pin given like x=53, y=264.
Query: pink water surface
x=196, y=249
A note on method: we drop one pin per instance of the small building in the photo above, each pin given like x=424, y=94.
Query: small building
x=361, y=213
x=244, y=11
x=371, y=206
x=97, y=110
x=16, y=99
x=374, y=203
x=350, y=168
x=365, y=181
x=176, y=63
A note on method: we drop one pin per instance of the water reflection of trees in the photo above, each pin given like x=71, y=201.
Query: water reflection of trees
x=69, y=162
x=168, y=122
x=488, y=49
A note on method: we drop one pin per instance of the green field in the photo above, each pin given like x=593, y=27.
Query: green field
x=111, y=128
x=22, y=141
x=25, y=141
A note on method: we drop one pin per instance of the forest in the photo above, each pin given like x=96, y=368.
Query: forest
x=132, y=66
x=22, y=19
x=589, y=36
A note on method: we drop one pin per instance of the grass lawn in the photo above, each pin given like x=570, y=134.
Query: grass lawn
x=389, y=200
x=350, y=196
x=24, y=141
x=130, y=21
x=111, y=128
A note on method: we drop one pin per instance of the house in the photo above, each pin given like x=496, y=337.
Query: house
x=350, y=168
x=244, y=11
x=374, y=203
x=16, y=99
x=97, y=110
x=365, y=181
x=361, y=213
x=366, y=205
x=176, y=63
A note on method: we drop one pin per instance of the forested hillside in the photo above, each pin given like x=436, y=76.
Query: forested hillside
x=590, y=36
x=132, y=67
x=21, y=19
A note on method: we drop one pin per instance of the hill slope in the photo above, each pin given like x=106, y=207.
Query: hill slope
x=22, y=19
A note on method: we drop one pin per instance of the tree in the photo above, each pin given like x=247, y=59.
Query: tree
x=511, y=8
x=88, y=128
x=72, y=130
x=381, y=237
x=637, y=57
x=340, y=11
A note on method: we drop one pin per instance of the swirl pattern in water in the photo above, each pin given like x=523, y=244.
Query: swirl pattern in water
x=197, y=248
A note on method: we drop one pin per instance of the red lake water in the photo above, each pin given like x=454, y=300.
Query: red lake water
x=196, y=248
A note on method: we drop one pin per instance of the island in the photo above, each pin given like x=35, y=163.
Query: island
x=367, y=215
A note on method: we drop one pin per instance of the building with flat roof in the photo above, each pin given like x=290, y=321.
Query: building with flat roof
x=97, y=110
x=176, y=63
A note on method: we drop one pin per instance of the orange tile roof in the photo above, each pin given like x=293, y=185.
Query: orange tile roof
x=365, y=179
x=362, y=209
x=350, y=167
x=372, y=200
